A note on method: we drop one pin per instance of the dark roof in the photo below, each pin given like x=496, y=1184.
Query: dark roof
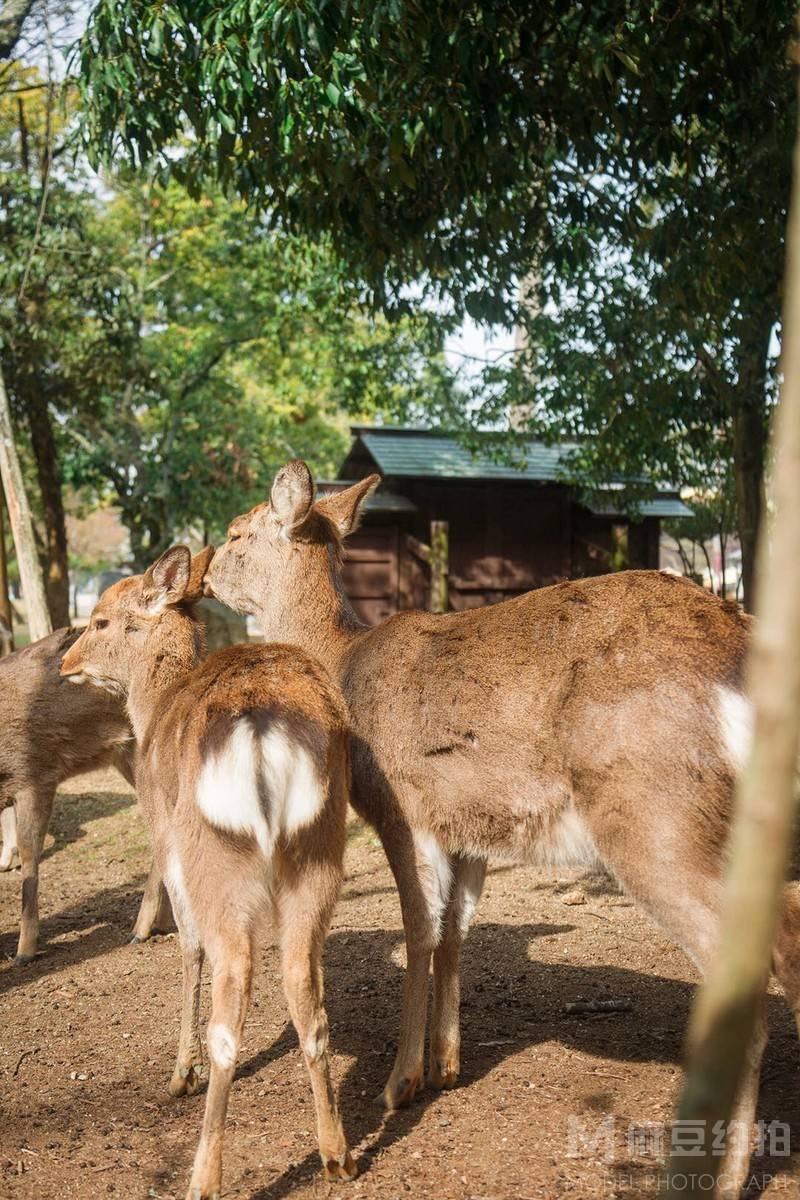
x=430, y=454
x=425, y=453
x=602, y=505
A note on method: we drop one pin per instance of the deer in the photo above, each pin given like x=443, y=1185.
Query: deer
x=50, y=732
x=596, y=722
x=243, y=777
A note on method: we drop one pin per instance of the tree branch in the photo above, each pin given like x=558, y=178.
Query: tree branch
x=12, y=18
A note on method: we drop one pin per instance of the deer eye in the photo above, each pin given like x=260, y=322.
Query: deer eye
x=101, y=623
x=233, y=535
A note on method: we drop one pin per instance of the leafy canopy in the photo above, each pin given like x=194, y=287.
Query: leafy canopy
x=182, y=347
x=424, y=138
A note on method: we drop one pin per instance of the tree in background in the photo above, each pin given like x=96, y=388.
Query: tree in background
x=240, y=347
x=707, y=537
x=167, y=353
x=634, y=160
x=43, y=284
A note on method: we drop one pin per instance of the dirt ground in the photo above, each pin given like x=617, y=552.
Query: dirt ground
x=88, y=1034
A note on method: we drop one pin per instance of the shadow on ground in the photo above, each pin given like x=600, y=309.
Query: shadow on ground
x=512, y=1003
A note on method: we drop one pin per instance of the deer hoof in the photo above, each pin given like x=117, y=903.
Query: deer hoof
x=23, y=960
x=395, y=1095
x=8, y=864
x=343, y=1169
x=185, y=1081
x=442, y=1074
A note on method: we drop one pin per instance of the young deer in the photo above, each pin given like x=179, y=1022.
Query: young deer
x=596, y=721
x=243, y=778
x=49, y=732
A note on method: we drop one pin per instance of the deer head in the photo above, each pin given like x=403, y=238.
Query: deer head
x=289, y=542
x=135, y=617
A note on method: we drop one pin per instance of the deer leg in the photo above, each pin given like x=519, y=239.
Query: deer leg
x=155, y=910
x=189, y=1063
x=230, y=993
x=33, y=807
x=424, y=875
x=444, y=1062
x=8, y=827
x=684, y=900
x=305, y=902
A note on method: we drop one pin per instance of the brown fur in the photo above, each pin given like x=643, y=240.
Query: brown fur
x=50, y=732
x=582, y=717
x=144, y=641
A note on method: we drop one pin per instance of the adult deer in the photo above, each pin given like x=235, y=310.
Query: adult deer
x=596, y=721
x=49, y=732
x=242, y=773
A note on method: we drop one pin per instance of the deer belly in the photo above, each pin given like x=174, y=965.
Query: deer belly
x=529, y=817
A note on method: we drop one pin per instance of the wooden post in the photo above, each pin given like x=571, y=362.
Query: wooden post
x=19, y=513
x=6, y=614
x=440, y=566
x=619, y=559
x=727, y=1005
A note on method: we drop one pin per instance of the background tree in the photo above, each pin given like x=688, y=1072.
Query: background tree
x=47, y=289
x=237, y=347
x=161, y=352
x=12, y=17
x=704, y=540
x=640, y=154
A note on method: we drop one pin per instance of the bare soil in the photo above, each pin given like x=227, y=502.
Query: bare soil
x=88, y=1033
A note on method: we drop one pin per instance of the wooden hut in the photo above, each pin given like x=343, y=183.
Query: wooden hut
x=509, y=528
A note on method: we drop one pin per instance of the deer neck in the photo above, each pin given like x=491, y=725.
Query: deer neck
x=311, y=610
x=154, y=675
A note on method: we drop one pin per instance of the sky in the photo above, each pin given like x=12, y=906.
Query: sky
x=476, y=346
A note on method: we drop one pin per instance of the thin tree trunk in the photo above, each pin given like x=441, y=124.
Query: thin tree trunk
x=727, y=1006
x=6, y=613
x=749, y=451
x=24, y=153
x=55, y=528
x=22, y=524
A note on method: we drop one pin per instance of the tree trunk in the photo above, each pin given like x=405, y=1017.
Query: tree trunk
x=6, y=615
x=49, y=476
x=727, y=1006
x=749, y=446
x=750, y=421
x=22, y=525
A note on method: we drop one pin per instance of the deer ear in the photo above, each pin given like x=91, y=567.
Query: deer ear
x=344, y=508
x=197, y=572
x=292, y=495
x=165, y=583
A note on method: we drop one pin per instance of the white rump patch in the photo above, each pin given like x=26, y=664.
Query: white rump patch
x=735, y=715
x=176, y=887
x=228, y=791
x=222, y=1046
x=295, y=789
x=436, y=877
